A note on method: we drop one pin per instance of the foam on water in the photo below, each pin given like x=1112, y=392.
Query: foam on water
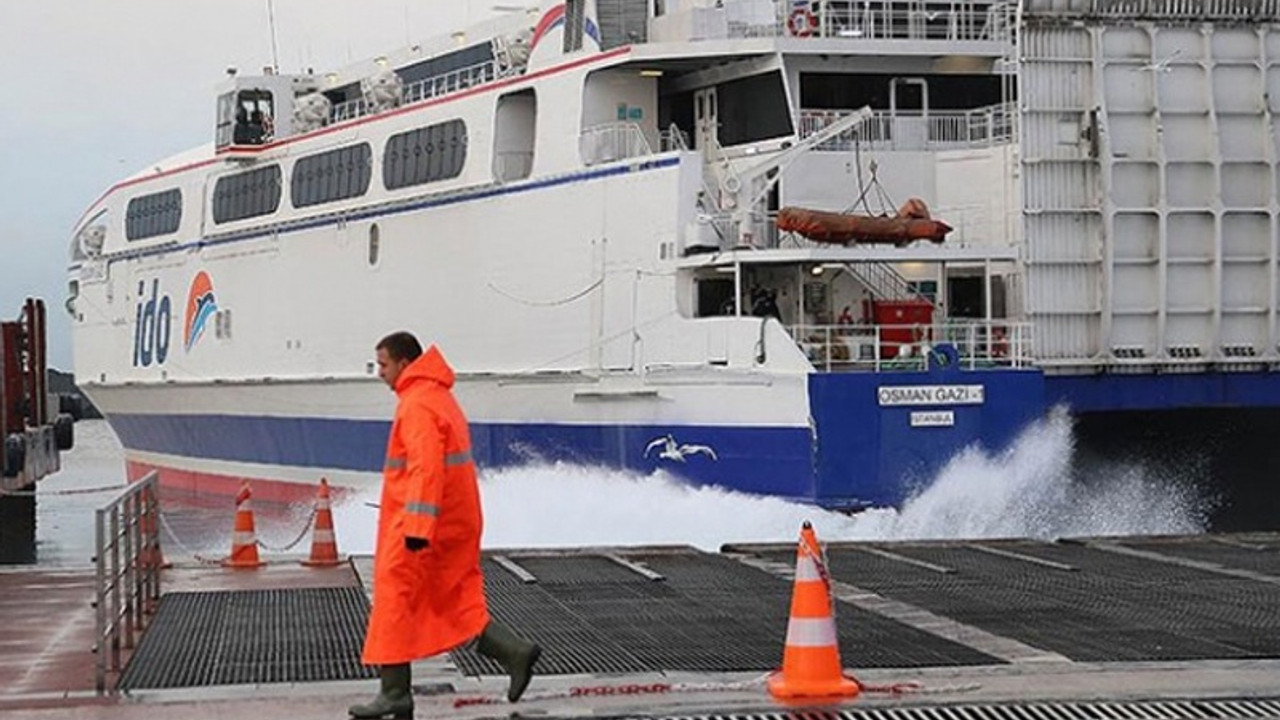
x=1027, y=491
x=1031, y=490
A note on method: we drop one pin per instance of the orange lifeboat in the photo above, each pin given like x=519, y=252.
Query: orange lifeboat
x=912, y=222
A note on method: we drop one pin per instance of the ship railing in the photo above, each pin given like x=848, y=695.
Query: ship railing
x=349, y=110
x=128, y=561
x=854, y=20
x=612, y=141
x=915, y=20
x=978, y=344
x=673, y=139
x=450, y=82
x=425, y=89
x=915, y=130
x=1185, y=10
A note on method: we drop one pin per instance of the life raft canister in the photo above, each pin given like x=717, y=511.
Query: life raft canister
x=801, y=22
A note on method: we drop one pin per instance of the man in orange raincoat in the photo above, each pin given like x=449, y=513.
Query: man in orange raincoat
x=428, y=590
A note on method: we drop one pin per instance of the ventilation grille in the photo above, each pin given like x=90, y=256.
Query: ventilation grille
x=252, y=637
x=708, y=614
x=1109, y=607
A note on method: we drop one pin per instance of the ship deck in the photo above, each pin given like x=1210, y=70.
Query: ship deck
x=1123, y=628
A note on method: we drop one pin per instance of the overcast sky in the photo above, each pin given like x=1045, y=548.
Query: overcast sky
x=95, y=91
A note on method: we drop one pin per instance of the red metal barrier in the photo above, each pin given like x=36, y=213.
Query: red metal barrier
x=29, y=439
x=37, y=371
x=24, y=394
x=13, y=384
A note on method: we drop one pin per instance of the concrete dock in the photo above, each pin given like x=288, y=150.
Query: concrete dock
x=1105, y=628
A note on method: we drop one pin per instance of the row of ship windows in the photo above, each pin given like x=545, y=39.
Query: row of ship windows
x=416, y=157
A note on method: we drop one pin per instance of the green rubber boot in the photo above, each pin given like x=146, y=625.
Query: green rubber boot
x=394, y=701
x=515, y=654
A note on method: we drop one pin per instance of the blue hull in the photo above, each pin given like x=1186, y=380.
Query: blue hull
x=860, y=452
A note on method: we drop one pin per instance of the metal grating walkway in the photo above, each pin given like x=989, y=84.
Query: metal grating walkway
x=257, y=636
x=1268, y=709
x=1256, y=555
x=709, y=613
x=1086, y=603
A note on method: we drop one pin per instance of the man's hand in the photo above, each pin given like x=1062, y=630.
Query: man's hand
x=413, y=544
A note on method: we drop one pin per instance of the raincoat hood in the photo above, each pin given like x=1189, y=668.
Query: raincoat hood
x=431, y=365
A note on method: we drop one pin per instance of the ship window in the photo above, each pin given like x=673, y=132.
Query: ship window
x=515, y=136
x=331, y=176
x=150, y=215
x=245, y=118
x=247, y=194
x=425, y=155
x=478, y=58
x=752, y=109
x=575, y=17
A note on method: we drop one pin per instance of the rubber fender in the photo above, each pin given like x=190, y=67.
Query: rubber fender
x=15, y=455
x=64, y=431
x=944, y=356
x=70, y=404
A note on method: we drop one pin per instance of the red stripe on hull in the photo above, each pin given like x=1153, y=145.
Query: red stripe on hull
x=186, y=487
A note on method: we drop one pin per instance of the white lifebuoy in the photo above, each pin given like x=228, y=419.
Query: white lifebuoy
x=801, y=23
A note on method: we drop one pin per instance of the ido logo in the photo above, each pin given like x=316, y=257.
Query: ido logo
x=151, y=330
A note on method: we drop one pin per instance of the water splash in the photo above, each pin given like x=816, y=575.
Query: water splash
x=1032, y=490
x=1027, y=491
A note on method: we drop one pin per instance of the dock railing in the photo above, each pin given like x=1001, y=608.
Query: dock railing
x=128, y=561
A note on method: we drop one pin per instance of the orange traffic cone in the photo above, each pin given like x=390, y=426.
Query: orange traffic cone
x=150, y=554
x=811, y=660
x=324, y=545
x=244, y=542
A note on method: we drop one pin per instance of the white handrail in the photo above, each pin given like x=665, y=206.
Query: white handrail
x=979, y=344
x=861, y=20
x=916, y=130
x=612, y=141
x=427, y=88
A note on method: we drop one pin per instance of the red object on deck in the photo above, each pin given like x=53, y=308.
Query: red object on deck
x=912, y=222
x=902, y=322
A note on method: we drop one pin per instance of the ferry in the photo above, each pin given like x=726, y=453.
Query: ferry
x=810, y=250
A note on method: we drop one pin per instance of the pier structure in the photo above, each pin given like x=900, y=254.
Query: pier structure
x=32, y=433
x=1159, y=628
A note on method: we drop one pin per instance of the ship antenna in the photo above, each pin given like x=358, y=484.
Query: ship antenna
x=271, y=20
